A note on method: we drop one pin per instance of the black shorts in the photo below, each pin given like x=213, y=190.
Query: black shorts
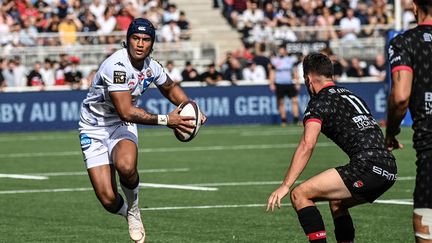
x=283, y=90
x=423, y=185
x=367, y=180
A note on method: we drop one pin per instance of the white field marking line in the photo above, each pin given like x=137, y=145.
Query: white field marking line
x=26, y=177
x=202, y=185
x=262, y=183
x=391, y=202
x=47, y=190
x=180, y=187
x=172, y=149
x=148, y=132
x=168, y=150
x=85, y=172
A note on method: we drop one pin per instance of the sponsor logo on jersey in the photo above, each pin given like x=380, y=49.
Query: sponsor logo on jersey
x=358, y=184
x=148, y=73
x=85, y=141
x=119, y=77
x=390, y=51
x=428, y=103
x=120, y=64
x=364, y=122
x=382, y=172
x=427, y=37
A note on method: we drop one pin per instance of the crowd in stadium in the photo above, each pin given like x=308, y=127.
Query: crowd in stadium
x=259, y=21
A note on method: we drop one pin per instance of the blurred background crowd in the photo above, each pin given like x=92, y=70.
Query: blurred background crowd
x=263, y=26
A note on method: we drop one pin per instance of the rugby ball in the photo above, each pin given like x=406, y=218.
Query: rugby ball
x=189, y=108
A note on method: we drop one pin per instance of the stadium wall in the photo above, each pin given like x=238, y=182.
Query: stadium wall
x=59, y=110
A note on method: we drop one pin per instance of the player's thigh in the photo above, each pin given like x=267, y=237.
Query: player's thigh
x=327, y=185
x=103, y=181
x=125, y=153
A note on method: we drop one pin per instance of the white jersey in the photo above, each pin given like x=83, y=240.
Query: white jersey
x=116, y=73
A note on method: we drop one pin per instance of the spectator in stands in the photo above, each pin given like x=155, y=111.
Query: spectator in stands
x=27, y=33
x=97, y=8
x=34, y=78
x=6, y=22
x=170, y=32
x=47, y=73
x=155, y=16
x=357, y=69
x=326, y=20
x=63, y=9
x=231, y=68
x=339, y=64
x=59, y=74
x=171, y=14
x=189, y=73
x=262, y=60
x=73, y=76
x=251, y=16
x=7, y=73
x=378, y=68
x=184, y=26
x=173, y=72
x=19, y=72
x=281, y=82
x=211, y=76
x=261, y=34
x=68, y=29
x=362, y=13
x=89, y=26
x=2, y=79
x=337, y=9
x=107, y=25
x=254, y=72
x=42, y=6
x=350, y=26
x=270, y=14
x=238, y=7
x=125, y=17
x=285, y=15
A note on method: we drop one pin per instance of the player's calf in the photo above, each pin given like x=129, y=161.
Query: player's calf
x=312, y=224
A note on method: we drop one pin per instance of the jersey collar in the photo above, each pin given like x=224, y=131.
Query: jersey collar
x=429, y=22
x=328, y=85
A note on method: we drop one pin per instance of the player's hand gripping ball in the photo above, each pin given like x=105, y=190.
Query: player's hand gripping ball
x=189, y=108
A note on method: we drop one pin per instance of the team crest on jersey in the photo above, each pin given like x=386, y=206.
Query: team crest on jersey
x=148, y=73
x=119, y=77
x=358, y=184
x=120, y=64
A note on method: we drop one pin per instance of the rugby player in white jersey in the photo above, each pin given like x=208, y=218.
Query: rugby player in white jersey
x=109, y=114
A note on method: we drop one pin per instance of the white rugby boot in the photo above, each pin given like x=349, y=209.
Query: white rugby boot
x=136, y=228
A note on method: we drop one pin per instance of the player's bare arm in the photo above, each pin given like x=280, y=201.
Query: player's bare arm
x=397, y=106
x=298, y=163
x=129, y=113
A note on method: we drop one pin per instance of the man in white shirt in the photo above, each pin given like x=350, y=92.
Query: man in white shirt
x=350, y=26
x=253, y=72
x=173, y=72
x=109, y=114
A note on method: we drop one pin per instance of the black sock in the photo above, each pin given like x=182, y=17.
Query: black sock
x=130, y=186
x=344, y=229
x=312, y=223
x=296, y=120
x=283, y=120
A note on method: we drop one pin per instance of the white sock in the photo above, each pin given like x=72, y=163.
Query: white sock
x=131, y=196
x=123, y=210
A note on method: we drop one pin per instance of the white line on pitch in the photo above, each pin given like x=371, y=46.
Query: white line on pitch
x=181, y=187
x=47, y=190
x=168, y=150
x=85, y=172
x=391, y=201
x=26, y=177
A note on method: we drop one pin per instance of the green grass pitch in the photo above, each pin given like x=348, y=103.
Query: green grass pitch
x=218, y=186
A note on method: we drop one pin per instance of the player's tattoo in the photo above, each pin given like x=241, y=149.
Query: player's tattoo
x=168, y=83
x=398, y=76
x=142, y=117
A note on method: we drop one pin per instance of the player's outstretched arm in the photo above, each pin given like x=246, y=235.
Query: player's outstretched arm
x=397, y=106
x=298, y=163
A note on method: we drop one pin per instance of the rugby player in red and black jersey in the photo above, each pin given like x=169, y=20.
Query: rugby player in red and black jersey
x=410, y=56
x=344, y=118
